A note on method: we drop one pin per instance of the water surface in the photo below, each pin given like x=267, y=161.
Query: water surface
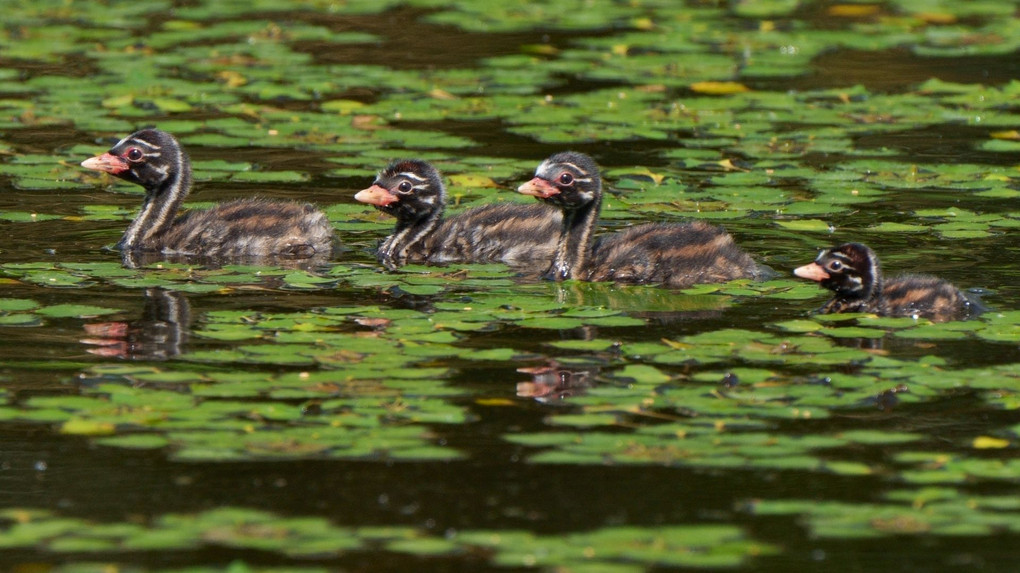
x=346, y=418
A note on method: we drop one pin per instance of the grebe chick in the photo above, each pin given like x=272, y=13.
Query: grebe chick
x=851, y=270
x=412, y=191
x=240, y=228
x=674, y=254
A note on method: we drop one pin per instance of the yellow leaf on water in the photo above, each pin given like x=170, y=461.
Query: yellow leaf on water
x=656, y=178
x=1010, y=134
x=853, y=10
x=728, y=165
x=719, y=88
x=651, y=88
x=366, y=122
x=988, y=443
x=441, y=94
x=472, y=181
x=936, y=17
x=643, y=23
x=232, y=78
x=20, y=515
x=541, y=49
x=676, y=344
x=118, y=101
x=86, y=427
x=494, y=402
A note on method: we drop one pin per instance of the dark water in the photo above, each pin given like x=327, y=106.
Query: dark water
x=494, y=487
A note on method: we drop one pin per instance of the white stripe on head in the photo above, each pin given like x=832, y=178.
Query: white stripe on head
x=842, y=257
x=152, y=146
x=576, y=168
x=411, y=175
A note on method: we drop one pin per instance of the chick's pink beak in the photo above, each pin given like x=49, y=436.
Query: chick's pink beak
x=376, y=195
x=812, y=271
x=107, y=162
x=538, y=187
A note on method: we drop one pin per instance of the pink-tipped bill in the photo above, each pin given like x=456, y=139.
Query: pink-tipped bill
x=538, y=187
x=376, y=195
x=107, y=162
x=812, y=271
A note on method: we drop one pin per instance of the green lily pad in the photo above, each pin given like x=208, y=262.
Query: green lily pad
x=811, y=225
x=777, y=118
x=74, y=310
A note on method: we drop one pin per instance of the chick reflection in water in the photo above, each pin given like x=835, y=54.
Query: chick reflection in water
x=555, y=382
x=159, y=334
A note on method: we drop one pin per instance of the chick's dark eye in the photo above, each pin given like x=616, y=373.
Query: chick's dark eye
x=404, y=187
x=835, y=265
x=134, y=154
x=566, y=179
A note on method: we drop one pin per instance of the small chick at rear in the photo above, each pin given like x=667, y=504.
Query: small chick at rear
x=853, y=273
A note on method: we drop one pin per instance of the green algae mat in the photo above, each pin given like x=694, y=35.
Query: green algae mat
x=180, y=416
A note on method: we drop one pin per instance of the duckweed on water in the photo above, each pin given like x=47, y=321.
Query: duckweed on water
x=320, y=417
x=779, y=119
x=302, y=538
x=941, y=511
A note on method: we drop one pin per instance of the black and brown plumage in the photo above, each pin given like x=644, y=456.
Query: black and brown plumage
x=852, y=272
x=240, y=228
x=671, y=254
x=412, y=191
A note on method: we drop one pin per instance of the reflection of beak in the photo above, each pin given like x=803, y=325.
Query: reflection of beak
x=376, y=195
x=533, y=390
x=105, y=330
x=111, y=339
x=112, y=350
x=107, y=162
x=812, y=271
x=538, y=187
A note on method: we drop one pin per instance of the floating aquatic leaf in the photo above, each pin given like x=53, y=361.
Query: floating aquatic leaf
x=74, y=310
x=135, y=441
x=87, y=427
x=20, y=217
x=879, y=437
x=20, y=319
x=17, y=304
x=815, y=225
x=988, y=442
x=789, y=135
x=799, y=325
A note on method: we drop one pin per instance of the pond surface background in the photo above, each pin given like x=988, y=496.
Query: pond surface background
x=188, y=416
